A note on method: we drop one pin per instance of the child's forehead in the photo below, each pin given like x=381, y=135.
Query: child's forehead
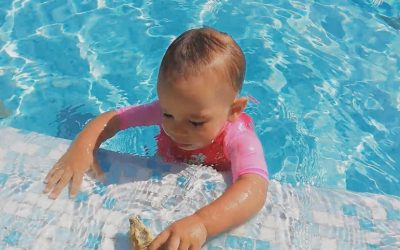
x=200, y=88
x=207, y=76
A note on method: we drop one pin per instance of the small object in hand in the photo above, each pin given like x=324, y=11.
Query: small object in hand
x=140, y=235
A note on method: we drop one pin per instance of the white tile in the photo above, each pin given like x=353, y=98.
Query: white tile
x=395, y=203
x=18, y=147
x=102, y=214
x=373, y=238
x=240, y=230
x=58, y=205
x=107, y=244
x=24, y=210
x=2, y=164
x=378, y=213
x=44, y=201
x=271, y=221
x=33, y=148
x=377, y=210
x=324, y=218
x=69, y=207
x=293, y=213
x=268, y=234
x=2, y=153
x=110, y=230
x=282, y=238
x=328, y=243
x=115, y=218
x=10, y=207
x=31, y=198
x=13, y=248
x=42, y=243
x=351, y=222
x=55, y=154
x=65, y=220
x=24, y=148
x=48, y=232
x=62, y=146
x=38, y=187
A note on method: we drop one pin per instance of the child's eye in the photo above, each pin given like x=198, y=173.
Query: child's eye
x=167, y=115
x=197, y=124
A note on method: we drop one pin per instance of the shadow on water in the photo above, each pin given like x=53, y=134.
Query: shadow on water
x=122, y=241
x=134, y=168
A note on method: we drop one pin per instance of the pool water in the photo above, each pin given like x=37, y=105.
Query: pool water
x=325, y=74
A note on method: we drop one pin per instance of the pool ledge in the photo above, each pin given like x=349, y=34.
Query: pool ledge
x=302, y=217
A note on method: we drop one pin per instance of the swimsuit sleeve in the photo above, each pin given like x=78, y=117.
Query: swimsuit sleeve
x=245, y=152
x=140, y=115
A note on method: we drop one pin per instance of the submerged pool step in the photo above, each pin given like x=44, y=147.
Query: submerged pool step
x=293, y=218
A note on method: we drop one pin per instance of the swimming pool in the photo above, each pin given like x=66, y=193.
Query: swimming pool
x=326, y=76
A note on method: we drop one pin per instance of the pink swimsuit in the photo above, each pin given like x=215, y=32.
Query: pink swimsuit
x=237, y=147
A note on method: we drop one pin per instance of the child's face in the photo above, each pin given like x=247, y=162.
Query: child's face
x=195, y=110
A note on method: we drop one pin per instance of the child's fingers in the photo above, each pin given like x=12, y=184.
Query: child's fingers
x=61, y=184
x=173, y=242
x=53, y=179
x=98, y=172
x=56, y=167
x=194, y=247
x=184, y=245
x=75, y=184
x=159, y=240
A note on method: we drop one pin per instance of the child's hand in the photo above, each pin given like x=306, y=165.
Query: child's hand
x=187, y=233
x=71, y=167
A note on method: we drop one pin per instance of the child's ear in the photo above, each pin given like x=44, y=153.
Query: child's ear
x=237, y=108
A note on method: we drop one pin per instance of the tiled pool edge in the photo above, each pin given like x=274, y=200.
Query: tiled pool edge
x=294, y=217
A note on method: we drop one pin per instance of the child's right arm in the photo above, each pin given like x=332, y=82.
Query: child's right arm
x=80, y=156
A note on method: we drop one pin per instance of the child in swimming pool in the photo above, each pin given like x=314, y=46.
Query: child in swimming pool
x=201, y=120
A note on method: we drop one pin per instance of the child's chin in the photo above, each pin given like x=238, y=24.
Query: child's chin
x=188, y=147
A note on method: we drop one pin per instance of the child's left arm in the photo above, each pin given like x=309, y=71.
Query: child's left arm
x=240, y=202
x=236, y=205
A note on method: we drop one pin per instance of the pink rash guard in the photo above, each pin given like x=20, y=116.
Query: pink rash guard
x=236, y=147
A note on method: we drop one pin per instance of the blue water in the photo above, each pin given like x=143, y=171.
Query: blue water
x=326, y=74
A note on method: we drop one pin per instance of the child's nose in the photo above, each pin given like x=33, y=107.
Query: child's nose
x=178, y=130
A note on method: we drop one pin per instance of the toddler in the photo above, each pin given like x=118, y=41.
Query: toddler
x=201, y=121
